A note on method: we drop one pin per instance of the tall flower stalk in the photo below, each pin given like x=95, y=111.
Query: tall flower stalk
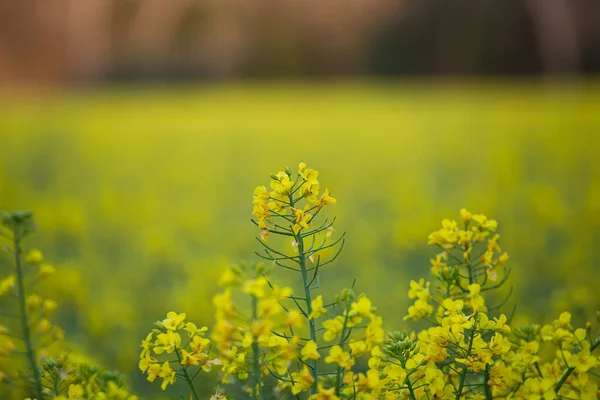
x=19, y=225
x=291, y=209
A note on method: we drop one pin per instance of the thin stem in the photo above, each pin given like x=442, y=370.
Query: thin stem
x=486, y=387
x=187, y=378
x=570, y=370
x=339, y=369
x=464, y=372
x=308, y=298
x=30, y=350
x=255, y=355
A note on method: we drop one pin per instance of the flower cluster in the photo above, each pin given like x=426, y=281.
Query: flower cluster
x=283, y=201
x=52, y=370
x=460, y=244
x=164, y=347
x=470, y=346
x=288, y=340
x=68, y=377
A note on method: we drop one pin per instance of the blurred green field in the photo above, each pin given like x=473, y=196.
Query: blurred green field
x=143, y=195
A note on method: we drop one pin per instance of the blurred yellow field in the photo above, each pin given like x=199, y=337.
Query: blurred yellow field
x=143, y=195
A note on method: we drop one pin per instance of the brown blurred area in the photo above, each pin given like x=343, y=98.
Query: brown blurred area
x=81, y=41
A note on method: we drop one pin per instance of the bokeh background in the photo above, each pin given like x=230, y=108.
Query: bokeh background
x=137, y=130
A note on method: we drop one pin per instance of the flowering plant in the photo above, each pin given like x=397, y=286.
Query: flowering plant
x=274, y=340
x=282, y=344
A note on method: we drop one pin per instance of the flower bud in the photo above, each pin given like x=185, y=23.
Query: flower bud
x=43, y=326
x=33, y=302
x=288, y=171
x=160, y=326
x=49, y=306
x=465, y=215
x=260, y=268
x=34, y=257
x=46, y=270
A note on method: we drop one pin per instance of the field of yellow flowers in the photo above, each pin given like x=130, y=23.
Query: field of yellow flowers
x=143, y=196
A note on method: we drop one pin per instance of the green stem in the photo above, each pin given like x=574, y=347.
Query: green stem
x=570, y=370
x=338, y=372
x=410, y=388
x=307, y=296
x=29, y=349
x=187, y=378
x=463, y=374
x=255, y=355
x=486, y=387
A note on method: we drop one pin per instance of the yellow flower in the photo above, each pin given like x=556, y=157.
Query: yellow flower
x=465, y=215
x=537, y=388
x=43, y=326
x=333, y=328
x=256, y=287
x=188, y=359
x=310, y=187
x=33, y=301
x=395, y=373
x=264, y=235
x=303, y=381
x=260, y=207
x=48, y=306
x=498, y=375
x=357, y=348
x=282, y=185
x=583, y=361
x=46, y=270
x=268, y=307
x=317, y=308
x=500, y=324
x=281, y=293
x=167, y=374
x=419, y=310
x=362, y=307
x=199, y=344
x=324, y=394
x=420, y=290
x=499, y=344
x=477, y=301
x=75, y=392
x=34, y=257
x=340, y=357
x=293, y=319
x=146, y=345
x=174, y=321
x=229, y=278
x=6, y=285
x=325, y=200
x=146, y=362
x=218, y=396
x=437, y=266
x=224, y=307
x=301, y=219
x=167, y=342
x=309, y=351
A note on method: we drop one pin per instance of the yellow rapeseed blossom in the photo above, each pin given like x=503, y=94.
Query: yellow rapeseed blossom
x=309, y=351
x=6, y=285
x=46, y=270
x=317, y=308
x=34, y=257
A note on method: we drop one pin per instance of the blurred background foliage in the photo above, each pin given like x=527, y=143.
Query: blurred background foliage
x=137, y=130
